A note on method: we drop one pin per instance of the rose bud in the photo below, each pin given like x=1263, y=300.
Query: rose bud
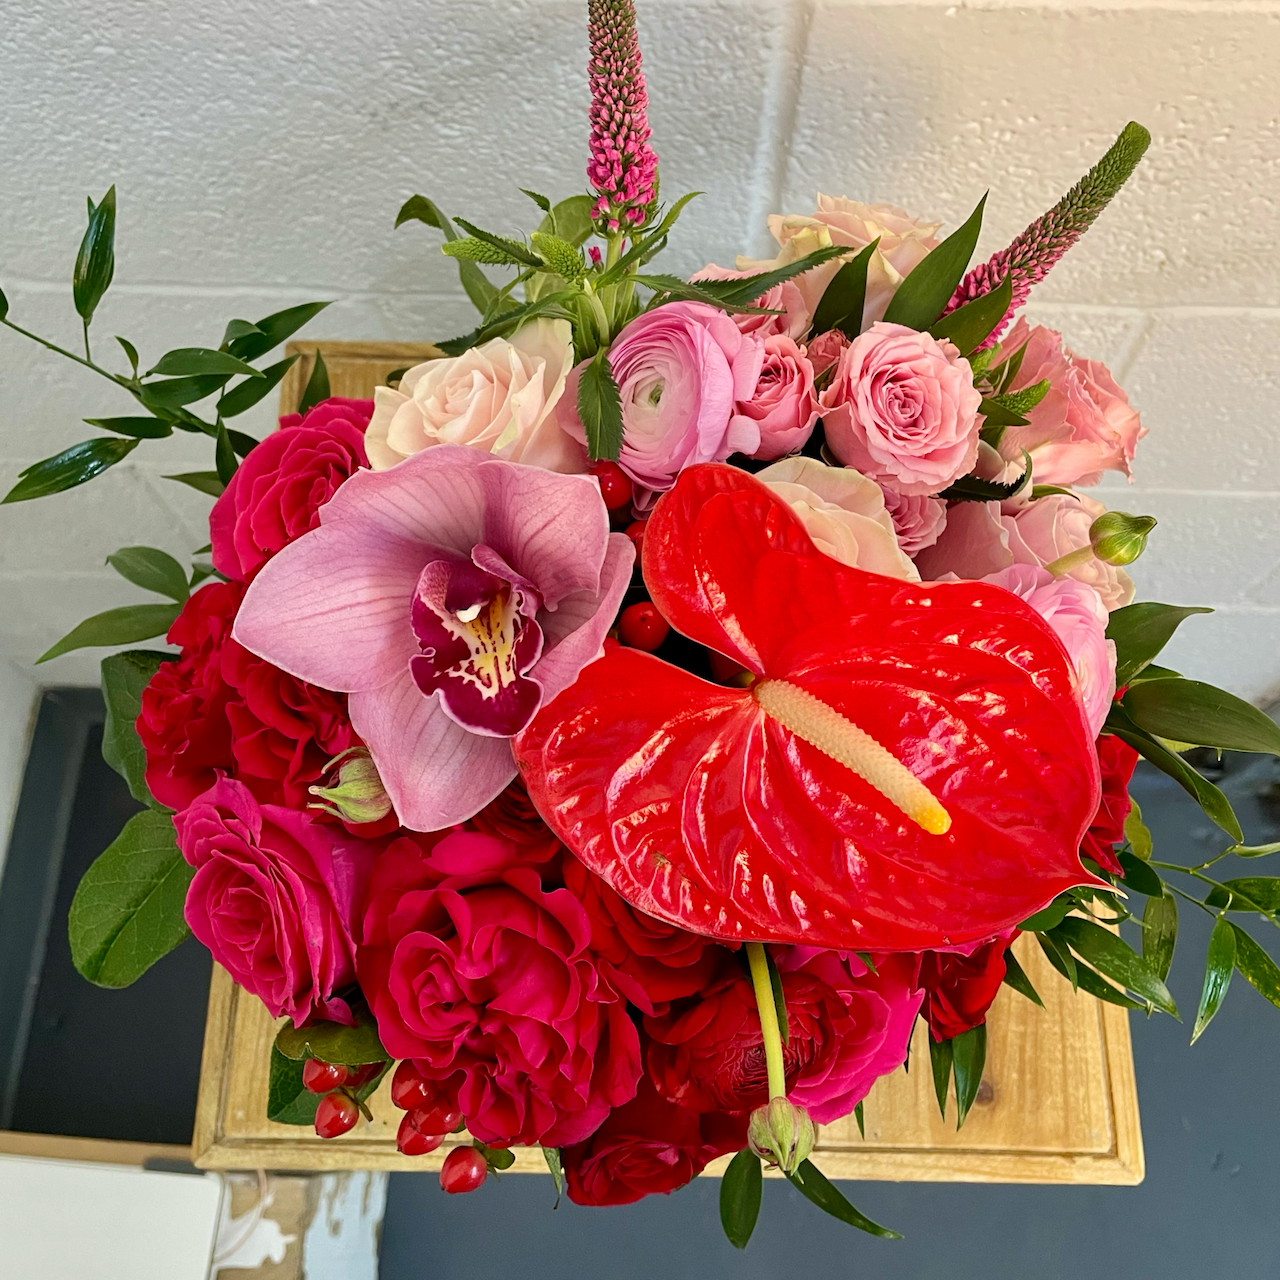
x=359, y=796
x=781, y=1133
x=1119, y=538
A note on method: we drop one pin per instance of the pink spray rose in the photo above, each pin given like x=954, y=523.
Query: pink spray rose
x=682, y=369
x=274, y=898
x=902, y=409
x=785, y=404
x=918, y=520
x=1083, y=427
x=1078, y=617
x=450, y=596
x=826, y=350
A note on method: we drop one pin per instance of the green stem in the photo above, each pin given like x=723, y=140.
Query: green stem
x=1234, y=893
x=62, y=351
x=768, y=1019
x=88, y=355
x=1072, y=560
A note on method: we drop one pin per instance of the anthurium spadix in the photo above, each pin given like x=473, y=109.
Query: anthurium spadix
x=911, y=766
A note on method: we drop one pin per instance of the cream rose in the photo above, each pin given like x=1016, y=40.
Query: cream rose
x=500, y=397
x=843, y=512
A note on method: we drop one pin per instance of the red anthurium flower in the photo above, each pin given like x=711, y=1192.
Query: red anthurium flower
x=911, y=768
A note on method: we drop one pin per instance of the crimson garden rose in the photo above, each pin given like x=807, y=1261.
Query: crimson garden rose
x=1117, y=761
x=959, y=988
x=274, y=898
x=276, y=493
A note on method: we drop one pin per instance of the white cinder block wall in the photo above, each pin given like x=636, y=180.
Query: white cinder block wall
x=261, y=151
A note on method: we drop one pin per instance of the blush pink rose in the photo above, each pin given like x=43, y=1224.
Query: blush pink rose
x=1084, y=425
x=825, y=350
x=786, y=298
x=902, y=409
x=274, y=898
x=785, y=405
x=1078, y=618
x=682, y=371
x=918, y=520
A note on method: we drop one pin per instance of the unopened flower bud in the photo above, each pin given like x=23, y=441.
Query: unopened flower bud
x=781, y=1133
x=1119, y=538
x=358, y=796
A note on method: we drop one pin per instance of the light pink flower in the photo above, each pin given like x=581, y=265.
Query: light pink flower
x=785, y=405
x=681, y=370
x=450, y=597
x=902, y=408
x=786, y=298
x=1083, y=427
x=918, y=520
x=1076, y=614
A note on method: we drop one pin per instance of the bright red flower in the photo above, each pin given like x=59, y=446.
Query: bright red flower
x=960, y=989
x=1117, y=761
x=711, y=807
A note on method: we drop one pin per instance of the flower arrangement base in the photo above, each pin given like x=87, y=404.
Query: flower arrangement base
x=1058, y=1103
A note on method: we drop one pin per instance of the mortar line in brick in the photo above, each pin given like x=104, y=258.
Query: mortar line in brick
x=1215, y=7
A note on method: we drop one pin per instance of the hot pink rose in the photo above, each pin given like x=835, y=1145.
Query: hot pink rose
x=795, y=317
x=682, y=370
x=276, y=493
x=274, y=898
x=785, y=404
x=1083, y=427
x=918, y=520
x=902, y=409
x=1076, y=614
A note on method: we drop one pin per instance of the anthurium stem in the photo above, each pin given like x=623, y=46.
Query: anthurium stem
x=768, y=1019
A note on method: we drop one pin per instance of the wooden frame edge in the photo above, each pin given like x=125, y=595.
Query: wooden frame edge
x=55, y=1146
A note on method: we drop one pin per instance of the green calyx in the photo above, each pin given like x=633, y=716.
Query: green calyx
x=1119, y=538
x=358, y=795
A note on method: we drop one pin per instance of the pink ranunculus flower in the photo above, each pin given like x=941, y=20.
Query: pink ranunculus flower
x=787, y=298
x=501, y=397
x=843, y=512
x=982, y=538
x=274, y=898
x=902, y=409
x=785, y=404
x=1078, y=617
x=450, y=597
x=682, y=370
x=918, y=520
x=1083, y=427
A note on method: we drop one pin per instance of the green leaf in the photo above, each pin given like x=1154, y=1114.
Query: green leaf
x=1046, y=490
x=1093, y=984
x=1115, y=959
x=740, y=1192
x=1248, y=893
x=668, y=287
x=600, y=408
x=518, y=252
x=272, y=330
x=845, y=297
x=244, y=395
x=541, y=201
x=124, y=677
x=1139, y=876
x=152, y=570
x=139, y=428
x=1015, y=976
x=861, y=1119
x=225, y=455
x=994, y=414
x=1189, y=711
x=127, y=911
x=941, y=1059
x=571, y=220
x=1059, y=955
x=332, y=1042
x=237, y=329
x=1019, y=403
x=1218, y=967
x=745, y=291
x=69, y=468
x=1258, y=968
x=126, y=625
x=1254, y=850
x=969, y=1052
x=198, y=360
x=206, y=481
x=644, y=248
x=810, y=1183
x=1136, y=831
x=1049, y=917
x=173, y=393
x=972, y=489
x=1140, y=631
x=96, y=261
x=4, y=305
x=242, y=445
x=499, y=1158
x=420, y=209
x=317, y=388
x=971, y=324
x=552, y=1156
x=1160, y=933
x=922, y=297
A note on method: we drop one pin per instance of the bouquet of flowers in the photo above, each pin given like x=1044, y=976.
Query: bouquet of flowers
x=631, y=721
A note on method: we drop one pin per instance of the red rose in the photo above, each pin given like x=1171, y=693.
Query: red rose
x=846, y=1028
x=959, y=989
x=512, y=817
x=220, y=708
x=276, y=493
x=1116, y=762
x=646, y=1146
x=496, y=984
x=273, y=899
x=650, y=961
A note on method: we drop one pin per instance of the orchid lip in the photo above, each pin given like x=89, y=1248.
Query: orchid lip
x=825, y=728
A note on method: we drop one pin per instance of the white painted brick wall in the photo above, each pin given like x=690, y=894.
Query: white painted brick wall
x=261, y=150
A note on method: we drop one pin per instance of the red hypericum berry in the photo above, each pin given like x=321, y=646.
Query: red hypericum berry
x=321, y=1077
x=635, y=531
x=642, y=627
x=439, y=1117
x=414, y=1141
x=409, y=1090
x=364, y=1073
x=336, y=1114
x=615, y=485
x=464, y=1169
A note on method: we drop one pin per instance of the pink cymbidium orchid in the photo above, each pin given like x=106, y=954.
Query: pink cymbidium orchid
x=450, y=596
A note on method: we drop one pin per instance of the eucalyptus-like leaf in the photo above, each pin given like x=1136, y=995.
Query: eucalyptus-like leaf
x=845, y=297
x=1248, y=893
x=1139, y=876
x=273, y=330
x=809, y=1181
x=237, y=329
x=130, y=353
x=317, y=388
x=205, y=481
x=244, y=395
x=740, y=1193
x=1257, y=966
x=1160, y=933
x=1015, y=976
x=1140, y=631
x=1114, y=958
x=923, y=296
x=225, y=455
x=1254, y=850
x=1049, y=917
x=152, y=570
x=198, y=360
x=971, y=324
x=1059, y=955
x=555, y=1166
x=600, y=408
x=174, y=393
x=126, y=625
x=96, y=261
x=1092, y=983
x=969, y=1054
x=940, y=1060
x=1190, y=711
x=1136, y=831
x=861, y=1119
x=124, y=677
x=137, y=427
x=4, y=305
x=1220, y=963
x=69, y=468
